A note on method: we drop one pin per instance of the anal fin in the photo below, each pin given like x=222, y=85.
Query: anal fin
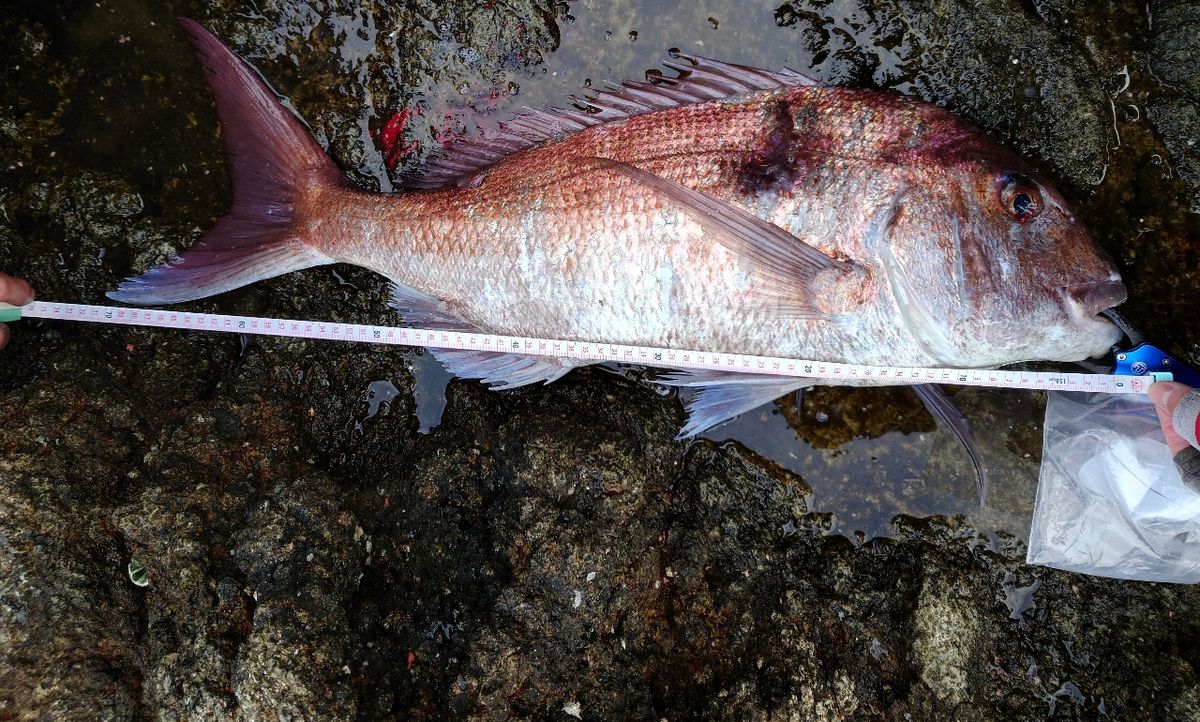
x=497, y=370
x=421, y=309
x=503, y=370
x=719, y=395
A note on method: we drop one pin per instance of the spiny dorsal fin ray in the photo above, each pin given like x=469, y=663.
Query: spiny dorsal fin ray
x=701, y=81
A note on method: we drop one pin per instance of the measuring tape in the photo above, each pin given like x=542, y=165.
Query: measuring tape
x=584, y=351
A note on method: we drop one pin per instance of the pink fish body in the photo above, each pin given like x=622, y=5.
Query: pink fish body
x=730, y=209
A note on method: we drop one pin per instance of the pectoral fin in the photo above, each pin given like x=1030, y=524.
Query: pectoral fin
x=797, y=280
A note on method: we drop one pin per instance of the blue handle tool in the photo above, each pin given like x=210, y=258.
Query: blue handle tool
x=1145, y=359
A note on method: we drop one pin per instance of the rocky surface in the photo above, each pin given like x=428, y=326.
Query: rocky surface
x=1177, y=114
x=548, y=553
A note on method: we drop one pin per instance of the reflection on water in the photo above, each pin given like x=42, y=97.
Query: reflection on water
x=429, y=390
x=380, y=395
x=842, y=478
x=897, y=467
x=606, y=41
x=868, y=454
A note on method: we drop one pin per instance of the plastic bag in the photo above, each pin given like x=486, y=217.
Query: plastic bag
x=1110, y=500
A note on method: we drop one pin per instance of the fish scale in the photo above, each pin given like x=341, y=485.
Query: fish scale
x=456, y=230
x=728, y=208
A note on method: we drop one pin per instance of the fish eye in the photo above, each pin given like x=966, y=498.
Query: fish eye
x=1020, y=197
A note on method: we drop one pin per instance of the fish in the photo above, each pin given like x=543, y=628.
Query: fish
x=728, y=208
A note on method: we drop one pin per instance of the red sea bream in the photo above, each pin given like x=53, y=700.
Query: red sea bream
x=729, y=208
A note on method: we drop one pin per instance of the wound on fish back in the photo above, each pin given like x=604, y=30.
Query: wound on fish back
x=772, y=165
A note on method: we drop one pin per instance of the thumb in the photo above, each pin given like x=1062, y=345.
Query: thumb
x=1166, y=396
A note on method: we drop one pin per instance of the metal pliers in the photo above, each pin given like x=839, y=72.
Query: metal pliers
x=1140, y=358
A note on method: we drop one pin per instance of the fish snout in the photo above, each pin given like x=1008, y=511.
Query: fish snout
x=1096, y=297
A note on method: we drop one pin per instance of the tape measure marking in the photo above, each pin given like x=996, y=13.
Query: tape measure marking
x=588, y=351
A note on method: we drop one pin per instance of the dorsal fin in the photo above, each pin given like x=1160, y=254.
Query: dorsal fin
x=703, y=80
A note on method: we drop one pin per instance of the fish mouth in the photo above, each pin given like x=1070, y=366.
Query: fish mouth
x=1094, y=298
x=1085, y=306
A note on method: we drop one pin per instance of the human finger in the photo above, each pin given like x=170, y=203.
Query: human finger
x=16, y=291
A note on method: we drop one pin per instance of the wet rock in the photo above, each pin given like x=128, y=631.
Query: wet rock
x=546, y=553
x=69, y=618
x=1174, y=48
x=301, y=596
x=946, y=641
x=389, y=57
x=68, y=621
x=1179, y=122
x=1174, y=56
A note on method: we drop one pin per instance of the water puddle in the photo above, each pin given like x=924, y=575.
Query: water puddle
x=863, y=482
x=380, y=395
x=429, y=390
x=867, y=455
x=872, y=454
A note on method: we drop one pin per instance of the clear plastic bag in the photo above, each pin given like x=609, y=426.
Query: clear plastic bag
x=1110, y=500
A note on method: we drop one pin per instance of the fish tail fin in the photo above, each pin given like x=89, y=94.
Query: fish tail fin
x=276, y=166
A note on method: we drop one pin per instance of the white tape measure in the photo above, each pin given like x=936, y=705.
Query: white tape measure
x=584, y=351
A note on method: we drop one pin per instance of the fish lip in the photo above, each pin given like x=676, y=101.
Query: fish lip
x=1085, y=304
x=1095, y=298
